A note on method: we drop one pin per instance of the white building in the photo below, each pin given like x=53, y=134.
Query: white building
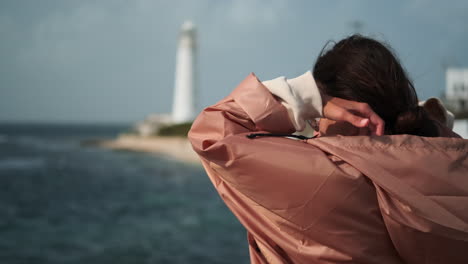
x=461, y=128
x=456, y=92
x=183, y=107
x=152, y=123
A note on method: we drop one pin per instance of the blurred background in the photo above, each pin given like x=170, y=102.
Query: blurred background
x=73, y=72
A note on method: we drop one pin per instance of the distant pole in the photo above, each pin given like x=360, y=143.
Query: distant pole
x=356, y=26
x=183, y=108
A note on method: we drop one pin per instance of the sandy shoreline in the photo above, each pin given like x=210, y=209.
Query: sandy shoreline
x=175, y=147
x=179, y=148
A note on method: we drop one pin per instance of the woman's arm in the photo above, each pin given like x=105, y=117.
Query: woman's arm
x=278, y=187
x=249, y=108
x=218, y=135
x=273, y=172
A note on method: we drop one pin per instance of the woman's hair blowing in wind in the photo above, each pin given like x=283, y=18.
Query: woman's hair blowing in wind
x=362, y=69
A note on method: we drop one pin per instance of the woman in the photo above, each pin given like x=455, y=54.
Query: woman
x=383, y=182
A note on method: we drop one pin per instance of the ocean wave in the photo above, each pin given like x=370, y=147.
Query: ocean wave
x=41, y=143
x=21, y=163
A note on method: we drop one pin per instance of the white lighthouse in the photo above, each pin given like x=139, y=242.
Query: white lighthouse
x=183, y=107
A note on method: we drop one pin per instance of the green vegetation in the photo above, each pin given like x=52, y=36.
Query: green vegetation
x=179, y=130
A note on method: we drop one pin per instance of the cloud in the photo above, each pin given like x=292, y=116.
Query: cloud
x=450, y=16
x=119, y=56
x=254, y=12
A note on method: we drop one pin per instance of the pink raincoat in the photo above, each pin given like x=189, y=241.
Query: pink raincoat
x=360, y=199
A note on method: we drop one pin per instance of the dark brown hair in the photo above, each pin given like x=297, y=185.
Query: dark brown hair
x=362, y=69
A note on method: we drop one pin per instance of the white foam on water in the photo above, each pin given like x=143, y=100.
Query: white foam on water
x=41, y=143
x=21, y=163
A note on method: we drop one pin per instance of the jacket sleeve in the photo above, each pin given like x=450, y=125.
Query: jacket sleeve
x=291, y=196
x=273, y=172
x=300, y=96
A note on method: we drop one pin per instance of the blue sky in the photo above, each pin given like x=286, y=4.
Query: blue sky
x=113, y=60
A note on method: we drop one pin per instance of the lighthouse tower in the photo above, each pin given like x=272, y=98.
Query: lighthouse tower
x=183, y=108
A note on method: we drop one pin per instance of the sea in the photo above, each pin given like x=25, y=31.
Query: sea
x=65, y=202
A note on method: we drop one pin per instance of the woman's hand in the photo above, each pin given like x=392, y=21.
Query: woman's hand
x=356, y=113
